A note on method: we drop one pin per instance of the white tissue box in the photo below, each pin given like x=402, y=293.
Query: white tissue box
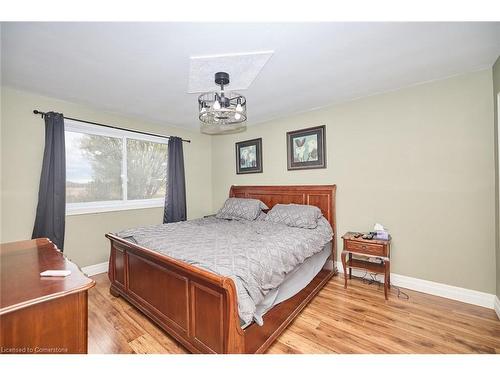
x=382, y=235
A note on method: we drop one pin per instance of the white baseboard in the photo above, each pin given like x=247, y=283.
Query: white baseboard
x=497, y=307
x=456, y=293
x=95, y=269
x=473, y=297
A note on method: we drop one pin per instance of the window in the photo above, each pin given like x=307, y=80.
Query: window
x=110, y=169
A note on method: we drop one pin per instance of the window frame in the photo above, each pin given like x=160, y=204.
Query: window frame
x=114, y=205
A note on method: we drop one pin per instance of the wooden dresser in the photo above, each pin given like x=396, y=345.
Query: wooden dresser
x=41, y=314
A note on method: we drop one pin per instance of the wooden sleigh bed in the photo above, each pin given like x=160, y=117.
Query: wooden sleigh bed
x=199, y=308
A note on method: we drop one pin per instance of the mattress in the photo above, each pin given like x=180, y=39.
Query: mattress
x=293, y=283
x=257, y=255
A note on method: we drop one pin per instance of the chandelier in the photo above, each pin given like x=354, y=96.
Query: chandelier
x=222, y=111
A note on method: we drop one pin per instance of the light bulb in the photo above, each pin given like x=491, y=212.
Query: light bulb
x=237, y=116
x=216, y=105
x=239, y=108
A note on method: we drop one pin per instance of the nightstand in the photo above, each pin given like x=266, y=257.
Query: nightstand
x=378, y=249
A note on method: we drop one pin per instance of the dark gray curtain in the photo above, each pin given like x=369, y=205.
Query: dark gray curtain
x=50, y=212
x=175, y=200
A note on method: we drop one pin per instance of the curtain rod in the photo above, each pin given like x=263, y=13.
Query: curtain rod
x=37, y=112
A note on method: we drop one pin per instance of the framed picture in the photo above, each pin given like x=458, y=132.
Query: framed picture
x=306, y=148
x=249, y=156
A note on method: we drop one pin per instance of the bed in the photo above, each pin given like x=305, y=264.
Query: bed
x=199, y=308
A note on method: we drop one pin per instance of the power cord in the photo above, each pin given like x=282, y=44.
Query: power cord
x=373, y=280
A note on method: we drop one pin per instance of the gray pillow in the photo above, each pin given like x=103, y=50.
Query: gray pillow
x=241, y=209
x=295, y=215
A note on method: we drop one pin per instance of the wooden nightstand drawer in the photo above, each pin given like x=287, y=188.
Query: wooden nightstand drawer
x=365, y=248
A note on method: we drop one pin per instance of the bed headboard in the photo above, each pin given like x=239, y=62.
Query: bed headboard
x=321, y=196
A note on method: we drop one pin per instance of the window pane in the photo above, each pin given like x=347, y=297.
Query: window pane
x=93, y=168
x=146, y=169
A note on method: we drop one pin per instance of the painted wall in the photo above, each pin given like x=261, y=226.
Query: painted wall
x=22, y=145
x=418, y=160
x=496, y=98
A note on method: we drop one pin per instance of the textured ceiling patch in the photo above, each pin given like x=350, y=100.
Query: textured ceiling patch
x=242, y=69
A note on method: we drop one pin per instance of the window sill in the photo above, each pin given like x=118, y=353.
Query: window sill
x=95, y=208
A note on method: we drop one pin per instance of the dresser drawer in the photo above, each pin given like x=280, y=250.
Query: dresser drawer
x=365, y=248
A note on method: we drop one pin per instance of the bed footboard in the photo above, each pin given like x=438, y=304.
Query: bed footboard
x=196, y=307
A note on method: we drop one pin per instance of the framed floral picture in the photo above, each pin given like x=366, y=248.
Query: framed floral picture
x=249, y=156
x=306, y=148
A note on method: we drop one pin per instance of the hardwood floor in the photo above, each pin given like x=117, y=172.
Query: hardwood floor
x=356, y=320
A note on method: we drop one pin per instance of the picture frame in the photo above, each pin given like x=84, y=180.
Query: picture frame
x=306, y=148
x=249, y=156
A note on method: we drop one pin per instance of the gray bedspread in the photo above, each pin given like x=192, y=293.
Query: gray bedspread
x=255, y=254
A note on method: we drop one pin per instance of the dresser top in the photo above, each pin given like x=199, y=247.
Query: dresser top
x=20, y=266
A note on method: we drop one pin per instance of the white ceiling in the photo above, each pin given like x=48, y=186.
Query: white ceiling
x=142, y=69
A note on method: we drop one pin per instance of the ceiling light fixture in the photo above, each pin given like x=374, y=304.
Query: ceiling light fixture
x=222, y=111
